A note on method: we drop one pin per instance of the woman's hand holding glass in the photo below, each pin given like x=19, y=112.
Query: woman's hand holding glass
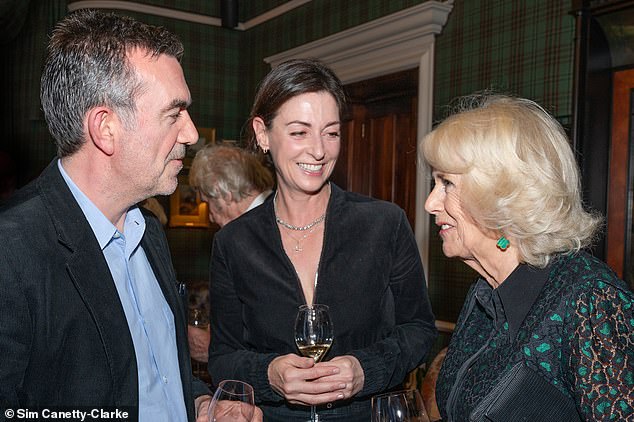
x=313, y=336
x=303, y=381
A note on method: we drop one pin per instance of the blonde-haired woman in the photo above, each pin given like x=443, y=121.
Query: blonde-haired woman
x=547, y=331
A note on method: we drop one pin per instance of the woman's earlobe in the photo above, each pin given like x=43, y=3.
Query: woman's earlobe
x=261, y=135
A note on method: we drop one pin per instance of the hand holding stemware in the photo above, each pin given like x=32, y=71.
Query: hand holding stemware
x=233, y=401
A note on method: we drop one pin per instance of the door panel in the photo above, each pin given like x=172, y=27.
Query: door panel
x=619, y=212
x=378, y=154
x=382, y=142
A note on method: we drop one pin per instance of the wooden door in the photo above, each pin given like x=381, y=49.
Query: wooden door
x=378, y=156
x=619, y=210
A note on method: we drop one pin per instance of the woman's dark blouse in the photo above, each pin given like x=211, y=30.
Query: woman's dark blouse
x=370, y=275
x=572, y=322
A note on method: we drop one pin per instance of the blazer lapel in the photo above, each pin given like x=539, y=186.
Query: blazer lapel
x=93, y=281
x=91, y=276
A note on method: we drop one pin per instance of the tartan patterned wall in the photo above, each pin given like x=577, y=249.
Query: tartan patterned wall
x=212, y=66
x=24, y=133
x=521, y=46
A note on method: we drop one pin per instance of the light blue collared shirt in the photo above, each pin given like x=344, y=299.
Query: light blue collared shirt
x=149, y=317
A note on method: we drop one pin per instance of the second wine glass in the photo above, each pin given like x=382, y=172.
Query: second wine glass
x=313, y=336
x=233, y=401
x=399, y=406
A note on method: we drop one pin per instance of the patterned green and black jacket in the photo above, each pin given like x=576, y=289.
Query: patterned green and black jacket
x=572, y=323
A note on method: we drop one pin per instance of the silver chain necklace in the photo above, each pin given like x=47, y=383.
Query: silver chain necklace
x=300, y=228
x=292, y=227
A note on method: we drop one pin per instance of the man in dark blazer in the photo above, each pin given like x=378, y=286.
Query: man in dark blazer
x=91, y=313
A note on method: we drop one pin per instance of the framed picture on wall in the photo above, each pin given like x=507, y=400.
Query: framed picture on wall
x=186, y=208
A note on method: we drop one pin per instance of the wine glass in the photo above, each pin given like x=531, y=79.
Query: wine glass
x=399, y=406
x=232, y=402
x=313, y=336
x=198, y=318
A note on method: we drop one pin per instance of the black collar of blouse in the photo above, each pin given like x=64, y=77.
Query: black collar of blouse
x=513, y=299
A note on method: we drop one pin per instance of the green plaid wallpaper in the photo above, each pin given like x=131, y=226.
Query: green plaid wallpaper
x=24, y=133
x=520, y=46
x=212, y=65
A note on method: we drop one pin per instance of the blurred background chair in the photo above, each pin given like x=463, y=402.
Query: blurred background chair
x=428, y=386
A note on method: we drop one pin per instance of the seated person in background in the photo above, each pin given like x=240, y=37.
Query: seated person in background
x=547, y=331
x=231, y=181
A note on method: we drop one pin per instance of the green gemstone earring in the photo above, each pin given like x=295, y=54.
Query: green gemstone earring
x=503, y=243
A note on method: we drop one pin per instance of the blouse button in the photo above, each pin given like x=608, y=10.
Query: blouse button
x=329, y=405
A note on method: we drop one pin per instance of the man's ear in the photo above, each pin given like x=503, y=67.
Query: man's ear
x=102, y=122
x=261, y=134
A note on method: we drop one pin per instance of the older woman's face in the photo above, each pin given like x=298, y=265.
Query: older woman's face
x=304, y=140
x=461, y=236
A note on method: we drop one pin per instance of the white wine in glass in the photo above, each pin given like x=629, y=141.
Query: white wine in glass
x=313, y=336
x=315, y=351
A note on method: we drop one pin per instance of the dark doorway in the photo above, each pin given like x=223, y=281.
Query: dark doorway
x=378, y=155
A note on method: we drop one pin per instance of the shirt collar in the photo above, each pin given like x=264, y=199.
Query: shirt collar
x=259, y=199
x=513, y=299
x=519, y=292
x=104, y=230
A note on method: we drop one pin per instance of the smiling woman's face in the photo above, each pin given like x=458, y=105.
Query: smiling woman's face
x=461, y=236
x=304, y=140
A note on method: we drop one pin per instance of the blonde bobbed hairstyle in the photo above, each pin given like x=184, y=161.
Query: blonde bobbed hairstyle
x=519, y=174
x=220, y=171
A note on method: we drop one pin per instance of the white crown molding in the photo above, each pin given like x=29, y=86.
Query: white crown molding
x=385, y=45
x=146, y=9
x=181, y=15
x=400, y=41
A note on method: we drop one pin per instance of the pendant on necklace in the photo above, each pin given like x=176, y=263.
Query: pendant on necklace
x=298, y=248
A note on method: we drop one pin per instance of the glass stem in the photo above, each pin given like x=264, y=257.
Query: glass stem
x=313, y=414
